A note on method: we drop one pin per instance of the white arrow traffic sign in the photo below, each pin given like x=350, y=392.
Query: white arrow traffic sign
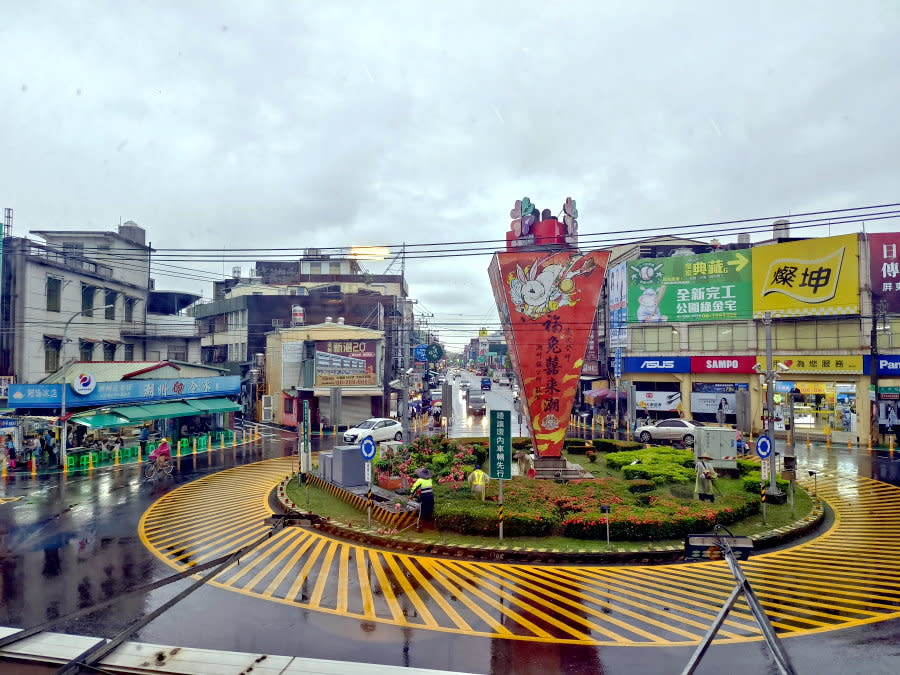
x=763, y=446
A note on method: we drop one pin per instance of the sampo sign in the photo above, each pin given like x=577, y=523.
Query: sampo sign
x=722, y=364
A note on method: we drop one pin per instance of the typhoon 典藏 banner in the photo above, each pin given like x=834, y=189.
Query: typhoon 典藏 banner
x=547, y=302
x=706, y=287
x=812, y=277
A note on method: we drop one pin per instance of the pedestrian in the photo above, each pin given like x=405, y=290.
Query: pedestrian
x=739, y=442
x=478, y=481
x=143, y=437
x=706, y=474
x=10, y=452
x=423, y=491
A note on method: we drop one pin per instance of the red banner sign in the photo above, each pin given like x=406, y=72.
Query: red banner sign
x=722, y=364
x=547, y=302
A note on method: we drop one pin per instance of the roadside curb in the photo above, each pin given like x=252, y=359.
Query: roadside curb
x=518, y=554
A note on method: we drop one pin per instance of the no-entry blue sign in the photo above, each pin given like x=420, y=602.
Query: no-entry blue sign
x=367, y=448
x=763, y=446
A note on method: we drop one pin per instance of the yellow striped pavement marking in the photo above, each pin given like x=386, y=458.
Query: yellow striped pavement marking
x=6, y=500
x=849, y=576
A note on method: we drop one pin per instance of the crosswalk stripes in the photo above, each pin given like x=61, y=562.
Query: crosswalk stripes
x=848, y=576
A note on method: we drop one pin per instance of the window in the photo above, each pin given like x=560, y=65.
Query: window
x=86, y=351
x=87, y=300
x=289, y=406
x=128, y=309
x=334, y=268
x=176, y=353
x=52, y=348
x=129, y=353
x=109, y=351
x=54, y=293
x=315, y=268
x=110, y=302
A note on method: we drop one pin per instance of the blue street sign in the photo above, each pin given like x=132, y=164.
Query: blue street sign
x=419, y=352
x=367, y=448
x=763, y=446
x=618, y=363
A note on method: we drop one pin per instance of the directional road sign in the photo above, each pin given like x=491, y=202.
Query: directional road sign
x=763, y=446
x=419, y=352
x=434, y=352
x=367, y=448
x=500, y=455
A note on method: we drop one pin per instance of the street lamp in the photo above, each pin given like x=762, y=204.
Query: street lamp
x=65, y=384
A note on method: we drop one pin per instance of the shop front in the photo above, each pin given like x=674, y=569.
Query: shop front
x=888, y=399
x=716, y=383
x=101, y=415
x=661, y=386
x=824, y=393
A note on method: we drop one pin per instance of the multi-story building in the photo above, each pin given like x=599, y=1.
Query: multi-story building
x=87, y=296
x=690, y=321
x=315, y=289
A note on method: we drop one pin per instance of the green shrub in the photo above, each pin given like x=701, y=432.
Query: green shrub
x=745, y=466
x=637, y=485
x=472, y=516
x=578, y=449
x=654, y=455
x=659, y=473
x=613, y=445
x=753, y=483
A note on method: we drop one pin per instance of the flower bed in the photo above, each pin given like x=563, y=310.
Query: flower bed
x=449, y=461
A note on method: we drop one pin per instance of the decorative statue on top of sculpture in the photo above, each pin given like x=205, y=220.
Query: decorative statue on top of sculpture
x=547, y=293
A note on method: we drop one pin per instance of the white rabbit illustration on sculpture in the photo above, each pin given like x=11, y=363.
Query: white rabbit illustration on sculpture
x=538, y=289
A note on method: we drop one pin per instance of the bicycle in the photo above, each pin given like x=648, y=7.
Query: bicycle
x=152, y=470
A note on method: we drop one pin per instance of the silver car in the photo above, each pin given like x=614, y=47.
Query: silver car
x=678, y=430
x=379, y=428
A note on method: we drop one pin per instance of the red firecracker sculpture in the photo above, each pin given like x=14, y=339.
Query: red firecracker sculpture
x=547, y=293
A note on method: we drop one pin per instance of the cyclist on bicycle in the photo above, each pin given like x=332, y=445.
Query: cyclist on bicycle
x=162, y=454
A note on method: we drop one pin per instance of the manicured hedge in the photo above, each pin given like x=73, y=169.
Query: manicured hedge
x=638, y=485
x=753, y=483
x=470, y=516
x=665, y=518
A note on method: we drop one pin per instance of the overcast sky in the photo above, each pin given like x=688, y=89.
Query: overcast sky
x=303, y=124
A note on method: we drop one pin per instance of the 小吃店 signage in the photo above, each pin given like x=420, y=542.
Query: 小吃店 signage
x=126, y=391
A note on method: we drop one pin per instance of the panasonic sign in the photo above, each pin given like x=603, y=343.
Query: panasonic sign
x=657, y=364
x=888, y=365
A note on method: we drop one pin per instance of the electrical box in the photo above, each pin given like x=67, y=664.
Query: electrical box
x=719, y=443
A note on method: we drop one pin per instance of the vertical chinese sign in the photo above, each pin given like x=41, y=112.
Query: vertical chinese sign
x=501, y=445
x=885, y=268
x=547, y=301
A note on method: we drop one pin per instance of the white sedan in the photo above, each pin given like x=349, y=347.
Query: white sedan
x=377, y=428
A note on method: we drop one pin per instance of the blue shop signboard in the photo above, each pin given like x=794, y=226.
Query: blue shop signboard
x=888, y=364
x=126, y=391
x=657, y=364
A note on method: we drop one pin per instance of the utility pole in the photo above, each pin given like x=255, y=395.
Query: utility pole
x=403, y=342
x=772, y=490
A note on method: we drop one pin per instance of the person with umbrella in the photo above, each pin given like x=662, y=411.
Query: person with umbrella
x=706, y=474
x=423, y=491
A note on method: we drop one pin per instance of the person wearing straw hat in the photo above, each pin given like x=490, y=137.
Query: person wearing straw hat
x=425, y=489
x=706, y=474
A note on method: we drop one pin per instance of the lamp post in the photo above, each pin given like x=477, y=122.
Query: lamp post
x=65, y=384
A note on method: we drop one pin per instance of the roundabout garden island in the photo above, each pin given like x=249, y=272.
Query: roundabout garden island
x=644, y=494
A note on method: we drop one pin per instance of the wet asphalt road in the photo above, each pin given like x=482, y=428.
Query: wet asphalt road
x=71, y=541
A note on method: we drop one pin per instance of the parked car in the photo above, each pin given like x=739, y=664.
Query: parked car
x=378, y=428
x=678, y=430
x=465, y=384
x=486, y=383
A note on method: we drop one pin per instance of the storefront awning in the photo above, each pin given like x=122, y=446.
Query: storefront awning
x=213, y=405
x=101, y=421
x=155, y=411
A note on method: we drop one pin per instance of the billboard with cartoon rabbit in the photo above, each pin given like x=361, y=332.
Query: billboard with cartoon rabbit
x=707, y=287
x=547, y=301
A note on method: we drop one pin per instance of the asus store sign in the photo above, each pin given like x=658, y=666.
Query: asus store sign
x=657, y=364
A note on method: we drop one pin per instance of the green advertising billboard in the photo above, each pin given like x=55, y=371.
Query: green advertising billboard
x=707, y=287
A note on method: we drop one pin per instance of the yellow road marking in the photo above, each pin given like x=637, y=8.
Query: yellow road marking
x=848, y=576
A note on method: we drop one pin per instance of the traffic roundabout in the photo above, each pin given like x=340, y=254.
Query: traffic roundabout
x=846, y=577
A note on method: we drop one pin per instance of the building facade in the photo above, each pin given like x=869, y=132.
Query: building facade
x=691, y=326
x=86, y=296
